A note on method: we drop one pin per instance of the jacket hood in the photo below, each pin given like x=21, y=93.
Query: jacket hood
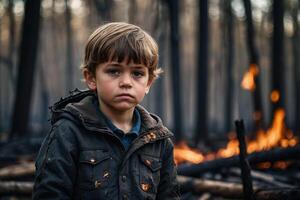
x=83, y=106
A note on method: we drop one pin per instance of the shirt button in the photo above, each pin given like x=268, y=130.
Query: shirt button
x=123, y=178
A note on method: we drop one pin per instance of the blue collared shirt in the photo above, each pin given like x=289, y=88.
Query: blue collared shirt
x=127, y=138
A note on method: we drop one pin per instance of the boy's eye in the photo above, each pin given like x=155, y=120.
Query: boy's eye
x=138, y=74
x=114, y=72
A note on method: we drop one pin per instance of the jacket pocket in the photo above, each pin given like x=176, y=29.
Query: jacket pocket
x=94, y=169
x=149, y=175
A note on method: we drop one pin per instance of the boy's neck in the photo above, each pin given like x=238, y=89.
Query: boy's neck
x=122, y=120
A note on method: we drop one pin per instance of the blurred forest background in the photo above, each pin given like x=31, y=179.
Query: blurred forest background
x=207, y=50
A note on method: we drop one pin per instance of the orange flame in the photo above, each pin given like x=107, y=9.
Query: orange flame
x=248, y=82
x=276, y=136
x=183, y=153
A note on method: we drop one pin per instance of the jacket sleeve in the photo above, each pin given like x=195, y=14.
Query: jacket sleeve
x=56, y=164
x=168, y=188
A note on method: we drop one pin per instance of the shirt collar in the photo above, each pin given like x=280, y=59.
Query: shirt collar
x=135, y=127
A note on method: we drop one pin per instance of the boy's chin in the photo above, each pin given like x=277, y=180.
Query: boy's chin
x=122, y=107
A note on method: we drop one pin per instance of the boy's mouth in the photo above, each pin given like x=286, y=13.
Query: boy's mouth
x=125, y=95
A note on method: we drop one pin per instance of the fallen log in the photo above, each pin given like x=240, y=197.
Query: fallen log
x=261, y=176
x=224, y=189
x=279, y=154
x=234, y=190
x=13, y=160
x=15, y=188
x=13, y=171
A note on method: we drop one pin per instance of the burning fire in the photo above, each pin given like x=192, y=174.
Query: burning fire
x=184, y=153
x=248, y=82
x=276, y=136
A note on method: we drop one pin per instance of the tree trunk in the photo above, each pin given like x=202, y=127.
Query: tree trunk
x=69, y=48
x=104, y=9
x=202, y=73
x=296, y=52
x=254, y=61
x=160, y=25
x=132, y=11
x=278, y=56
x=26, y=68
x=10, y=83
x=175, y=63
x=229, y=57
x=12, y=39
x=2, y=82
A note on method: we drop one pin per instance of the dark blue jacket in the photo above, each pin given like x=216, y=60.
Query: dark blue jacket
x=82, y=159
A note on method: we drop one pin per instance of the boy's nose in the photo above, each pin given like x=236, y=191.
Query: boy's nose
x=125, y=81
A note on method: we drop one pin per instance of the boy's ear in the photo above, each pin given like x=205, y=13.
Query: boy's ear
x=150, y=82
x=90, y=79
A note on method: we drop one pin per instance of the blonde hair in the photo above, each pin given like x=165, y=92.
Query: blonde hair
x=118, y=41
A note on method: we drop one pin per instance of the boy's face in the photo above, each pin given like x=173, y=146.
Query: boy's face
x=120, y=86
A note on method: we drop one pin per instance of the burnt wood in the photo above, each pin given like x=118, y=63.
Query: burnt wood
x=271, y=180
x=15, y=188
x=26, y=68
x=244, y=164
x=19, y=170
x=274, y=155
x=254, y=60
x=234, y=190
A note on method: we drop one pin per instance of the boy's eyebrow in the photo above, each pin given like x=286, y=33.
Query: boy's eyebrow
x=114, y=65
x=136, y=66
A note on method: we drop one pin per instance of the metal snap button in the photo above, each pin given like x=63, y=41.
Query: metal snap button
x=106, y=174
x=152, y=135
x=148, y=162
x=145, y=186
x=92, y=160
x=98, y=184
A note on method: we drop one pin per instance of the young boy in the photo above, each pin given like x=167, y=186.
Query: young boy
x=103, y=144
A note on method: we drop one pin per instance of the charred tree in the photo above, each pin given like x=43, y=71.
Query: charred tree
x=2, y=100
x=26, y=68
x=9, y=81
x=277, y=87
x=173, y=6
x=12, y=39
x=202, y=73
x=296, y=52
x=104, y=9
x=132, y=11
x=69, y=48
x=254, y=63
x=160, y=25
x=229, y=56
x=244, y=163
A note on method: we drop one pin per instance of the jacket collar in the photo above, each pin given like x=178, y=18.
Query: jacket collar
x=136, y=124
x=83, y=106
